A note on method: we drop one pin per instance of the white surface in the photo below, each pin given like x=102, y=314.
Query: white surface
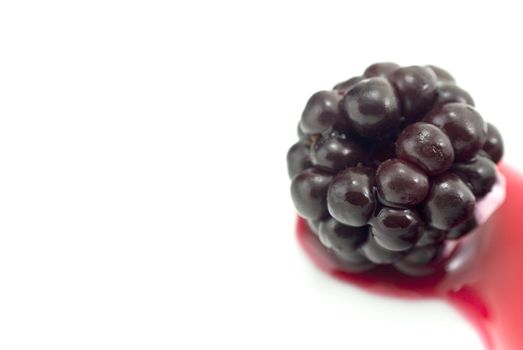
x=143, y=192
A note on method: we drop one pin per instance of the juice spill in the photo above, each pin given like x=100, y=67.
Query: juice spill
x=483, y=279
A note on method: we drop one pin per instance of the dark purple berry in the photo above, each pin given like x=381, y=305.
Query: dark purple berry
x=396, y=229
x=426, y=146
x=378, y=254
x=298, y=159
x=382, y=69
x=442, y=75
x=342, y=239
x=389, y=167
x=309, y=193
x=449, y=203
x=372, y=108
x=350, y=197
x=346, y=85
x=463, y=229
x=494, y=143
x=335, y=152
x=479, y=173
x=321, y=113
x=448, y=93
x=417, y=90
x=401, y=184
x=431, y=236
x=463, y=125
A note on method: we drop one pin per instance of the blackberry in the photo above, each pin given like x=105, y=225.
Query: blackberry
x=389, y=166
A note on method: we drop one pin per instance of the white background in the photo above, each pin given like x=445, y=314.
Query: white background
x=143, y=190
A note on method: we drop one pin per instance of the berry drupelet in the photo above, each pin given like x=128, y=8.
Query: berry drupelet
x=389, y=166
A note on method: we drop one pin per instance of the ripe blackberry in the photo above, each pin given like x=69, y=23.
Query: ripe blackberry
x=389, y=166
